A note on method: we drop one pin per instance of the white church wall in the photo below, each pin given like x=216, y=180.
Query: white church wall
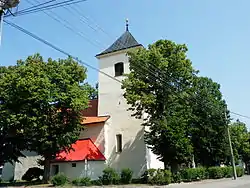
x=8, y=171
x=96, y=133
x=112, y=102
x=93, y=169
x=152, y=161
x=25, y=163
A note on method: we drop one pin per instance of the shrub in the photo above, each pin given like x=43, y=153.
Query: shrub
x=227, y=172
x=239, y=171
x=193, y=174
x=137, y=181
x=59, y=179
x=110, y=177
x=157, y=177
x=96, y=182
x=126, y=176
x=176, y=177
x=215, y=172
x=32, y=173
x=86, y=181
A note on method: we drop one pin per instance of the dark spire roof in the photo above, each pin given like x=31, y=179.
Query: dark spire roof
x=123, y=42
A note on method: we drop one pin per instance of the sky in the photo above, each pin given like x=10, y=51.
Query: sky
x=217, y=34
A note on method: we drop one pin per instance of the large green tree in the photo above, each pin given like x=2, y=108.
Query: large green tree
x=12, y=139
x=41, y=103
x=158, y=85
x=240, y=141
x=208, y=123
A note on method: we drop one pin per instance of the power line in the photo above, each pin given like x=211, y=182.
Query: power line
x=80, y=61
x=244, y=116
x=68, y=25
x=58, y=49
x=49, y=7
x=32, y=7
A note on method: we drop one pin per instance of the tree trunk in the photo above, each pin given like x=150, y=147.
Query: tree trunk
x=46, y=174
x=165, y=165
x=174, y=167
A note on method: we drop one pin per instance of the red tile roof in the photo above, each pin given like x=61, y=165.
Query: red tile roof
x=82, y=149
x=98, y=119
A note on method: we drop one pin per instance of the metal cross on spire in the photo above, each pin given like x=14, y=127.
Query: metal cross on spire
x=126, y=24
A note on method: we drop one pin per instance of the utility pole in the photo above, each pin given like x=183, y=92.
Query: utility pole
x=1, y=24
x=231, y=149
x=6, y=5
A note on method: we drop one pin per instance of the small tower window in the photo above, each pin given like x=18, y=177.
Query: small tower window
x=73, y=164
x=118, y=143
x=119, y=69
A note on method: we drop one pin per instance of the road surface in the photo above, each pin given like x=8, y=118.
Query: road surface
x=243, y=182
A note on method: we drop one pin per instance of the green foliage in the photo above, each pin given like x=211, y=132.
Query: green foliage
x=126, y=176
x=137, y=181
x=96, y=182
x=41, y=104
x=32, y=173
x=85, y=181
x=157, y=177
x=239, y=171
x=110, y=177
x=240, y=141
x=208, y=122
x=193, y=174
x=215, y=172
x=158, y=85
x=227, y=172
x=92, y=91
x=59, y=180
x=176, y=177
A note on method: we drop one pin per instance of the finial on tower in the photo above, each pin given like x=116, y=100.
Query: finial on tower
x=126, y=24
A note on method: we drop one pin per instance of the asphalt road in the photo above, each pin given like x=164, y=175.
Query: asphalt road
x=243, y=182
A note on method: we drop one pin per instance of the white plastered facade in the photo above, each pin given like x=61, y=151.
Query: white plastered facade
x=135, y=154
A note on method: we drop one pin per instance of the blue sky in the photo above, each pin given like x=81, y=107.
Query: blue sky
x=217, y=34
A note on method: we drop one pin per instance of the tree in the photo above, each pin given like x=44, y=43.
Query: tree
x=240, y=141
x=208, y=123
x=43, y=101
x=93, y=91
x=158, y=85
x=12, y=139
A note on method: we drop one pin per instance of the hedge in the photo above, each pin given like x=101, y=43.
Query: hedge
x=157, y=177
x=151, y=176
x=59, y=180
x=196, y=174
x=193, y=174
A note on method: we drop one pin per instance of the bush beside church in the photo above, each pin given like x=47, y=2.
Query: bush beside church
x=151, y=176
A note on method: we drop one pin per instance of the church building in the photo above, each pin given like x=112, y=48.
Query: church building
x=112, y=137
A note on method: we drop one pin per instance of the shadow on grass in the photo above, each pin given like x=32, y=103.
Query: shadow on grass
x=23, y=183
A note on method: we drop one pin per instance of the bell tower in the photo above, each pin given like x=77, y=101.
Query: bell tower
x=124, y=135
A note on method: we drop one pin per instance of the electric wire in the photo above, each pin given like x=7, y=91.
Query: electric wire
x=77, y=59
x=68, y=25
x=58, y=49
x=35, y=6
x=66, y=3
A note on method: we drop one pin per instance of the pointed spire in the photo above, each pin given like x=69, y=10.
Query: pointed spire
x=126, y=24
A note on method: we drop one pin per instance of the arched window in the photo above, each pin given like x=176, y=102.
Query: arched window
x=119, y=69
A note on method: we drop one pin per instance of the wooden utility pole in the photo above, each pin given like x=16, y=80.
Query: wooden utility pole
x=231, y=148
